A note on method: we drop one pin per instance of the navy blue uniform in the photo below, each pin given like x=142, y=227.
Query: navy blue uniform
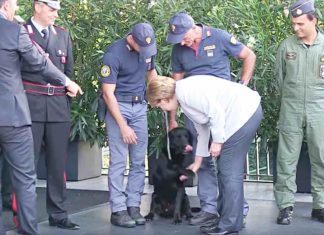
x=212, y=56
x=123, y=67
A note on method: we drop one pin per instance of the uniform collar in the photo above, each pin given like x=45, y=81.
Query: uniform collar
x=2, y=15
x=319, y=38
x=38, y=26
x=206, y=32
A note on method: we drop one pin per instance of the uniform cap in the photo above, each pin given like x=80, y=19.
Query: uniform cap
x=143, y=35
x=302, y=7
x=179, y=25
x=55, y=4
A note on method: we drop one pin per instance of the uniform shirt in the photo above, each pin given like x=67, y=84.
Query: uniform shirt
x=300, y=74
x=122, y=66
x=212, y=55
x=215, y=106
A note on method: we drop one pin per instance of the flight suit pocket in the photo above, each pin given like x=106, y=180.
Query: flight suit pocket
x=292, y=67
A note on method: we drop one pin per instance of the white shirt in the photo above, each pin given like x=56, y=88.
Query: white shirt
x=39, y=27
x=215, y=106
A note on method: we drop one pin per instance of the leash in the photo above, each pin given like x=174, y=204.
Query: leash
x=167, y=131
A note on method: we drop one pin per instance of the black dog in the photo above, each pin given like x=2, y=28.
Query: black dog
x=169, y=198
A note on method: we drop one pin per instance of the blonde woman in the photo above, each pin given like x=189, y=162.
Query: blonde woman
x=231, y=113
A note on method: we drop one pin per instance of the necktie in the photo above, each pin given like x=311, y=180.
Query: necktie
x=45, y=33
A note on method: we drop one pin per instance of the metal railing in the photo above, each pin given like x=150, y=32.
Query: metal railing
x=259, y=163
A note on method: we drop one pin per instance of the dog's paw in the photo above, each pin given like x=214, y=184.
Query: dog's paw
x=189, y=216
x=177, y=218
x=149, y=217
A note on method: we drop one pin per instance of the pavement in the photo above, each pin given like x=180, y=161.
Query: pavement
x=260, y=221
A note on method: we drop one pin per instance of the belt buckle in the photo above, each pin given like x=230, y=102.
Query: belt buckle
x=50, y=89
x=136, y=99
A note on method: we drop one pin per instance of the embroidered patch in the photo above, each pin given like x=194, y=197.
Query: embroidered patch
x=233, y=40
x=149, y=60
x=322, y=71
x=105, y=71
x=210, y=53
x=322, y=59
x=148, y=40
x=291, y=55
x=210, y=47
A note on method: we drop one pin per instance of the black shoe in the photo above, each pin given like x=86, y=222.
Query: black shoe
x=285, y=216
x=218, y=231
x=122, y=219
x=208, y=228
x=63, y=223
x=318, y=214
x=134, y=213
x=204, y=218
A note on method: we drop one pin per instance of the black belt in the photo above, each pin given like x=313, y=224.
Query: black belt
x=130, y=98
x=44, y=89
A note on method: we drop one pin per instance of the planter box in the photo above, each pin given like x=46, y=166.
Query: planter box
x=83, y=162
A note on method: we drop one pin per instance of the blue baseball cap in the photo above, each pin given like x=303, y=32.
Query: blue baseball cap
x=179, y=25
x=55, y=4
x=143, y=35
x=302, y=7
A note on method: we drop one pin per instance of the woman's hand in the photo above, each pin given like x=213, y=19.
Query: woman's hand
x=215, y=149
x=196, y=165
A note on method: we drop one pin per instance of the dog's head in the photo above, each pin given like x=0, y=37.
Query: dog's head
x=180, y=141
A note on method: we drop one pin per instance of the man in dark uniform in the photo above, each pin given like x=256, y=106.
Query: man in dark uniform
x=125, y=64
x=50, y=106
x=15, y=124
x=202, y=50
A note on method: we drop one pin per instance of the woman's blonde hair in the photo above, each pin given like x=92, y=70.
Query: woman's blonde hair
x=160, y=87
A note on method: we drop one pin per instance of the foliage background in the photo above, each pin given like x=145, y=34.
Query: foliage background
x=94, y=24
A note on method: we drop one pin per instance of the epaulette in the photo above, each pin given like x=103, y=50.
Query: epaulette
x=59, y=27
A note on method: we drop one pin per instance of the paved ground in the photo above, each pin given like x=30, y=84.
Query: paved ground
x=261, y=219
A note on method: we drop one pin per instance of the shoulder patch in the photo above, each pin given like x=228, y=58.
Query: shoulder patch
x=105, y=71
x=233, y=40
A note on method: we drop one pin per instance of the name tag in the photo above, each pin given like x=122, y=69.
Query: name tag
x=211, y=47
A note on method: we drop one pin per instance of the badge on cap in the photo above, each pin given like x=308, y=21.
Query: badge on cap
x=299, y=12
x=148, y=40
x=233, y=40
x=105, y=71
x=173, y=27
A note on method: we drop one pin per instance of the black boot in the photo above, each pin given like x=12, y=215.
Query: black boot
x=285, y=216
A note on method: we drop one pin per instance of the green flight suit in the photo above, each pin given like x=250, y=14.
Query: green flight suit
x=300, y=74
